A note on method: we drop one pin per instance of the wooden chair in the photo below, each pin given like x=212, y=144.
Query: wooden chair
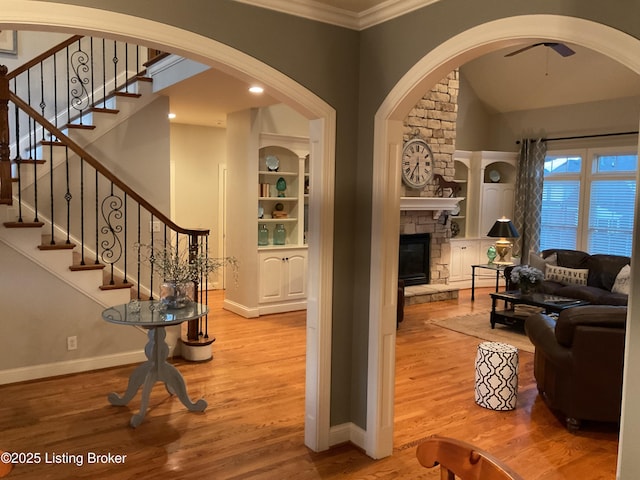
x=461, y=459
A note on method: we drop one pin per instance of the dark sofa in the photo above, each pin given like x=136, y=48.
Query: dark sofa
x=578, y=361
x=602, y=273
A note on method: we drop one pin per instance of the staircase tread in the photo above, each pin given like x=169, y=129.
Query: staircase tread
x=57, y=143
x=81, y=127
x=116, y=286
x=127, y=94
x=105, y=110
x=23, y=224
x=87, y=266
x=30, y=161
x=58, y=245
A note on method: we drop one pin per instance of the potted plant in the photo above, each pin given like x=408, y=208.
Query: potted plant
x=180, y=270
x=528, y=278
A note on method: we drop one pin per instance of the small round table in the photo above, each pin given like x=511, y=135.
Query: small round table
x=153, y=316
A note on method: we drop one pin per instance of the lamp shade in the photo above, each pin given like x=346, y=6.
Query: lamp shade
x=503, y=228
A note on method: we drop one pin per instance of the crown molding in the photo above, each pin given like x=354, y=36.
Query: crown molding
x=315, y=10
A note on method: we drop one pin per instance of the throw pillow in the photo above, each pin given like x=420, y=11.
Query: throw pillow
x=536, y=261
x=566, y=276
x=623, y=278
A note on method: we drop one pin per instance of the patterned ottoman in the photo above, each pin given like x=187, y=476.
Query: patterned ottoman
x=497, y=376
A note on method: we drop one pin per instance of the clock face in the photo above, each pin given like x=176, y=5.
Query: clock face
x=417, y=163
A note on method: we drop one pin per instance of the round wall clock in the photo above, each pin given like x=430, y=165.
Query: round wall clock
x=417, y=163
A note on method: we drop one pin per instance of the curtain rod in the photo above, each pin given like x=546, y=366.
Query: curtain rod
x=585, y=136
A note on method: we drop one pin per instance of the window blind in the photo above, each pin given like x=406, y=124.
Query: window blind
x=560, y=210
x=611, y=216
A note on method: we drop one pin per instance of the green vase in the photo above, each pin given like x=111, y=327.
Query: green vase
x=491, y=254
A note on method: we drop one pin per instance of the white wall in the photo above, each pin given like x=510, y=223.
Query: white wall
x=620, y=115
x=137, y=151
x=30, y=45
x=39, y=312
x=197, y=154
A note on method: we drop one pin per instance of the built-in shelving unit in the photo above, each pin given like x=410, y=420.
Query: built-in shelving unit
x=487, y=180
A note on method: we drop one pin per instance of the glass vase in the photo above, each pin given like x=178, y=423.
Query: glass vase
x=263, y=235
x=279, y=234
x=177, y=294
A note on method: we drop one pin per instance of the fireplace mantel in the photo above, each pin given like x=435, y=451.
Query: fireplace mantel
x=435, y=204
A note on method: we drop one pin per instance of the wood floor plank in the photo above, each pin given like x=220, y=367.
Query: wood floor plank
x=253, y=426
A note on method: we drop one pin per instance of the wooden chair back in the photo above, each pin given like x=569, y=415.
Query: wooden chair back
x=458, y=459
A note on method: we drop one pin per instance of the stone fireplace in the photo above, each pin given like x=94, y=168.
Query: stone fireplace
x=433, y=119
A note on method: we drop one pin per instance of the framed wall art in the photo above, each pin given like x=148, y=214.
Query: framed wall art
x=9, y=41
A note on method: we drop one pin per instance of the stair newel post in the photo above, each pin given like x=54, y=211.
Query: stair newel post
x=5, y=161
x=192, y=326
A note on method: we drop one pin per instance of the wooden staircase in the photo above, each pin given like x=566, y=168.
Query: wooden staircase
x=124, y=105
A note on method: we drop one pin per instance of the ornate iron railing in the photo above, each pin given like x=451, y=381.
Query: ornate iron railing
x=63, y=188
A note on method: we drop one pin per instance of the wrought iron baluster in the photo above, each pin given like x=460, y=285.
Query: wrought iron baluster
x=104, y=74
x=80, y=70
x=67, y=196
x=43, y=104
x=126, y=67
x=125, y=249
x=93, y=98
x=96, y=220
x=52, y=192
x=68, y=69
x=18, y=158
x=111, y=245
x=138, y=253
x=82, y=246
x=115, y=66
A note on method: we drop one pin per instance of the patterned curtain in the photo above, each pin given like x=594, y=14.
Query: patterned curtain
x=528, y=201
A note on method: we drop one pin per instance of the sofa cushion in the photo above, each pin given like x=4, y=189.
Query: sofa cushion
x=593, y=295
x=536, y=261
x=623, y=279
x=565, y=275
x=569, y=258
x=603, y=269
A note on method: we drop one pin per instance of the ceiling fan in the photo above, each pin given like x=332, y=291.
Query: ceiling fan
x=560, y=48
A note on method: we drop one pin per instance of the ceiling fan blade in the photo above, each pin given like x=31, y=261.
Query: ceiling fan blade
x=523, y=49
x=561, y=48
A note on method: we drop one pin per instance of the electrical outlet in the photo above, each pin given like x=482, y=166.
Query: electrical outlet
x=72, y=343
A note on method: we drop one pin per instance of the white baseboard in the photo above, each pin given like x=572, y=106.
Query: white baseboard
x=70, y=366
x=347, y=432
x=267, y=309
x=240, y=309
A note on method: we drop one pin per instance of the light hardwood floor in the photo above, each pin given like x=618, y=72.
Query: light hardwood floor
x=253, y=427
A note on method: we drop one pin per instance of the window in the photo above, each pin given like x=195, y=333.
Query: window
x=589, y=209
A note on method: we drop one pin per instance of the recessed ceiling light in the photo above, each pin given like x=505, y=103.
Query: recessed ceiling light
x=171, y=116
x=256, y=89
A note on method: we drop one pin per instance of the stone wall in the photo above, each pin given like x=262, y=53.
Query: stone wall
x=434, y=120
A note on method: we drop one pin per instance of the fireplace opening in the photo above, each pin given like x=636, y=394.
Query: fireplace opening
x=414, y=259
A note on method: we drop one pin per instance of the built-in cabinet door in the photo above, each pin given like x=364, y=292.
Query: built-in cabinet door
x=296, y=271
x=272, y=274
x=464, y=253
x=497, y=202
x=283, y=275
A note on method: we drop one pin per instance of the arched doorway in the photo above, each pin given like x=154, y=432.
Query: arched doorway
x=74, y=19
x=386, y=188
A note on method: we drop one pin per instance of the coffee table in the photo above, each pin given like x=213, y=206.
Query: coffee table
x=549, y=303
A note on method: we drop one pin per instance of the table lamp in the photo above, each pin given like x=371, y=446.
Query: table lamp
x=503, y=229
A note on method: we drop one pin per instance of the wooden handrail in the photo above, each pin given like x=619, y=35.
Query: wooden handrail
x=44, y=55
x=102, y=169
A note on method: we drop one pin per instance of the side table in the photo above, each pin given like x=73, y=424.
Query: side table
x=497, y=267
x=153, y=316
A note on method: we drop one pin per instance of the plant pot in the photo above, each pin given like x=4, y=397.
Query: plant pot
x=176, y=294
